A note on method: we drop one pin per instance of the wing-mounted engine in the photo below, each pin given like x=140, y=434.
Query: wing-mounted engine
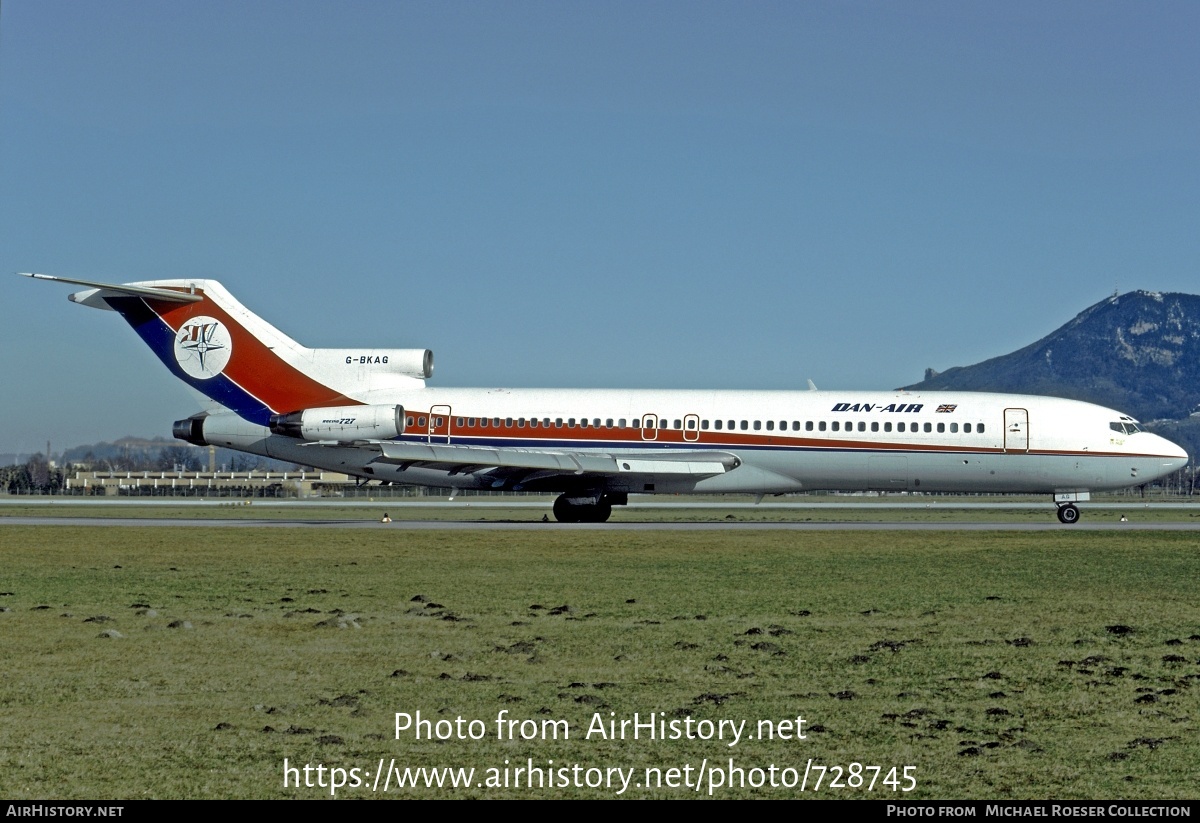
x=341, y=423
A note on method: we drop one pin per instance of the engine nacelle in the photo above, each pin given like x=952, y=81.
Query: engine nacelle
x=190, y=429
x=377, y=422
x=416, y=363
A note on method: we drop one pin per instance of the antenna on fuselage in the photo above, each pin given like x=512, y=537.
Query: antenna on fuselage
x=811, y=385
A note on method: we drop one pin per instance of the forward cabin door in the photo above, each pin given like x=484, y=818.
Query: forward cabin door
x=439, y=424
x=1016, y=431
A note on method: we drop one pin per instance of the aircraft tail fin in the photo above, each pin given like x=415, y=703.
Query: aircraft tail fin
x=229, y=354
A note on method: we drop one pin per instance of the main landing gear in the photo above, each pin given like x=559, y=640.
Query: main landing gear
x=1068, y=513
x=569, y=509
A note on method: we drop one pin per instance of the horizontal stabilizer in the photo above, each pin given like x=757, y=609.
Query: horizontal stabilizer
x=112, y=290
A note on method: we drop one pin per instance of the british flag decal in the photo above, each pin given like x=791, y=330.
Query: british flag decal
x=946, y=408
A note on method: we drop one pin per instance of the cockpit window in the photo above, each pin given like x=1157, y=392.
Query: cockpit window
x=1125, y=428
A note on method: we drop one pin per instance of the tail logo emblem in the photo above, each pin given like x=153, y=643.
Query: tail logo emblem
x=203, y=347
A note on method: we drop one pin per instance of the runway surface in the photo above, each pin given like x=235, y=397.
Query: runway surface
x=509, y=525
x=468, y=503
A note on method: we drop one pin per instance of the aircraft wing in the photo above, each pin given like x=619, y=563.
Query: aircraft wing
x=547, y=462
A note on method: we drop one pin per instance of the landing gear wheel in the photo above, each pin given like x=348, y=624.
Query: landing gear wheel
x=598, y=512
x=567, y=512
x=564, y=512
x=1068, y=514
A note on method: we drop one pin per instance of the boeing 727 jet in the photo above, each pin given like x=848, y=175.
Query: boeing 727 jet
x=368, y=412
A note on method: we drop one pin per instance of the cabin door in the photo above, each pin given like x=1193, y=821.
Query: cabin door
x=439, y=424
x=691, y=428
x=1016, y=431
x=649, y=426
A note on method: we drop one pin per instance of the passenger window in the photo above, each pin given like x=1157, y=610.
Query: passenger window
x=571, y=423
x=704, y=425
x=546, y=422
x=899, y=427
x=408, y=421
x=678, y=425
x=979, y=429
x=596, y=422
x=928, y=427
x=691, y=424
x=770, y=425
x=874, y=425
x=941, y=428
x=757, y=425
x=421, y=422
x=795, y=425
x=508, y=421
x=731, y=425
x=862, y=425
x=583, y=422
x=887, y=427
x=558, y=421
x=821, y=426
x=533, y=423
x=622, y=423
x=966, y=428
x=834, y=425
x=745, y=425
x=458, y=421
x=483, y=422
x=471, y=422
x=608, y=423
x=954, y=428
x=808, y=425
x=717, y=425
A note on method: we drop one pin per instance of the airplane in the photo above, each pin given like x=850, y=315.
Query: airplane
x=368, y=412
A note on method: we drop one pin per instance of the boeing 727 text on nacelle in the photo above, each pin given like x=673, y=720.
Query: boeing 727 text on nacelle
x=368, y=412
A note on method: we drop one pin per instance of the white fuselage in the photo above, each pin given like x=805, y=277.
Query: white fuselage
x=782, y=441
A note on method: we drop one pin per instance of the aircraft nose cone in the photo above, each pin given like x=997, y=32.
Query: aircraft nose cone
x=1174, y=457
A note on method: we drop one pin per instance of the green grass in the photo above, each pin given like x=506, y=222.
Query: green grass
x=982, y=659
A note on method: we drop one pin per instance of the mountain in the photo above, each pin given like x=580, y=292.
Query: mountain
x=1137, y=352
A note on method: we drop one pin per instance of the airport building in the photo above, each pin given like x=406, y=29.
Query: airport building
x=304, y=483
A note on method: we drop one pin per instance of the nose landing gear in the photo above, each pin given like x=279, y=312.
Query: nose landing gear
x=1068, y=513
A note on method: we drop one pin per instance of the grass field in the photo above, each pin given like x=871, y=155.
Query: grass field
x=191, y=662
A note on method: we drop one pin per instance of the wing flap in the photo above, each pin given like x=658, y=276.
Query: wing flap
x=657, y=461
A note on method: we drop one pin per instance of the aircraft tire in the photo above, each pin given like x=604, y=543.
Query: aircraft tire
x=566, y=512
x=1068, y=514
x=598, y=512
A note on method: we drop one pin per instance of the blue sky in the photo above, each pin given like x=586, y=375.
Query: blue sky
x=690, y=194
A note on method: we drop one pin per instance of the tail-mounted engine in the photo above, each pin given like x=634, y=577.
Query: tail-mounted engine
x=340, y=423
x=190, y=429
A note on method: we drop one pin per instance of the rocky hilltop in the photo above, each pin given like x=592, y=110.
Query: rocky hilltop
x=1137, y=352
